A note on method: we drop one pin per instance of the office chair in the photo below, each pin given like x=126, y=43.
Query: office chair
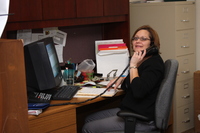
x=163, y=103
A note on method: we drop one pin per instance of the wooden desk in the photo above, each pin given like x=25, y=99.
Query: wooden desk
x=69, y=118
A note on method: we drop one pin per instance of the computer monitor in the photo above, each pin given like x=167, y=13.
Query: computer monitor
x=42, y=66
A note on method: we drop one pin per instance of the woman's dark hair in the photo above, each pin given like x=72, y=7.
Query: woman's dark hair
x=153, y=35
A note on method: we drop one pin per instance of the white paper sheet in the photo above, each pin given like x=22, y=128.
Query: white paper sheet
x=60, y=38
x=26, y=35
x=59, y=50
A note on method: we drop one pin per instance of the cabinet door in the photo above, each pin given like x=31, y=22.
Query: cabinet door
x=116, y=7
x=89, y=8
x=53, y=9
x=25, y=10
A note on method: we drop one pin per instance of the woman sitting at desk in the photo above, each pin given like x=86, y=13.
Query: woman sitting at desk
x=141, y=86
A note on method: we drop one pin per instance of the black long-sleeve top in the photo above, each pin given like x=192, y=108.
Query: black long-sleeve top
x=141, y=93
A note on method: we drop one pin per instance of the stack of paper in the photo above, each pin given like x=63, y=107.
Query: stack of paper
x=111, y=55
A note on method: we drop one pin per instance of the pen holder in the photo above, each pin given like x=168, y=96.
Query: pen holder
x=68, y=76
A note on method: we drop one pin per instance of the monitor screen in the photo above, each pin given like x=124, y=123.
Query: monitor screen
x=53, y=59
x=42, y=66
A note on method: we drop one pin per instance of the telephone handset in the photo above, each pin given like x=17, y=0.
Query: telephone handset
x=152, y=50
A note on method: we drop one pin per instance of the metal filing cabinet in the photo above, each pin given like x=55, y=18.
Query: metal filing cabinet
x=175, y=24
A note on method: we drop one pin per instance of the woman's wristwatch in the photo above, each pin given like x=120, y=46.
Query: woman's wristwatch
x=134, y=67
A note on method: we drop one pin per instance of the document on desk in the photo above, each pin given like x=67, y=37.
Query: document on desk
x=92, y=92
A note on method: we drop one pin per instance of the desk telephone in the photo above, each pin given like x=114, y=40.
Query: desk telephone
x=152, y=50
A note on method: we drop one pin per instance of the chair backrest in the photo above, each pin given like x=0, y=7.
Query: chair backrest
x=165, y=94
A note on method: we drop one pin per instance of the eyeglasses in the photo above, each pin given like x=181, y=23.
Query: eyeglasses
x=141, y=38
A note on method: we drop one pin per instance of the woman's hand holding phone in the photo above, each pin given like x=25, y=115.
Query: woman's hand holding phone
x=137, y=57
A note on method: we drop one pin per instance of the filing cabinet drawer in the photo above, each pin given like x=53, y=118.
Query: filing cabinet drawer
x=186, y=67
x=185, y=16
x=184, y=118
x=185, y=41
x=184, y=92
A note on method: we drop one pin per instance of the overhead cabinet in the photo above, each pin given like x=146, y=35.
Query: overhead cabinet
x=62, y=9
x=25, y=10
x=115, y=7
x=89, y=8
x=41, y=13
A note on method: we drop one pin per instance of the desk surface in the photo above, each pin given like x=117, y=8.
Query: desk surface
x=70, y=118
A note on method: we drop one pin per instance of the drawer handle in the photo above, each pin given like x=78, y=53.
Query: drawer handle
x=187, y=96
x=186, y=86
x=184, y=46
x=184, y=72
x=185, y=20
x=186, y=121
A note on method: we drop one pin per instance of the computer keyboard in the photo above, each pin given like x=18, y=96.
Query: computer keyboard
x=65, y=93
